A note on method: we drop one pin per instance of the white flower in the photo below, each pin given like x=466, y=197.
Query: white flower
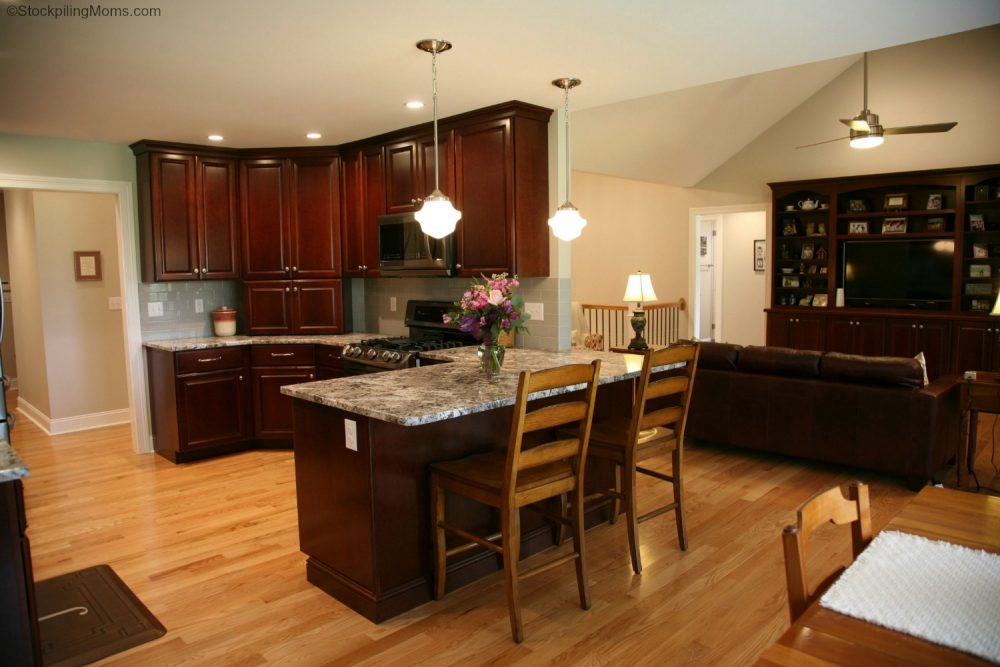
x=496, y=297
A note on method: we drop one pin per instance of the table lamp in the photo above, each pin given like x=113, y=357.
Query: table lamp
x=638, y=290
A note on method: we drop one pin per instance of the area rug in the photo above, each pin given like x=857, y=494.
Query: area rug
x=90, y=614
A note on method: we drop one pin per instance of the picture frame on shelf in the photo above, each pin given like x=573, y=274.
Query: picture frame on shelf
x=935, y=224
x=980, y=250
x=980, y=271
x=895, y=201
x=820, y=300
x=822, y=270
x=857, y=205
x=980, y=305
x=790, y=281
x=979, y=289
x=759, y=254
x=857, y=227
x=808, y=250
x=894, y=226
x=981, y=192
x=810, y=229
x=789, y=227
x=821, y=254
x=813, y=269
x=976, y=222
x=806, y=300
x=935, y=202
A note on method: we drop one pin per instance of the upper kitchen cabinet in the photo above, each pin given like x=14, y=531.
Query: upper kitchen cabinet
x=410, y=170
x=291, y=216
x=187, y=211
x=363, y=200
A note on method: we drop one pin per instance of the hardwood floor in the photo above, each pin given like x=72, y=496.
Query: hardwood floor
x=212, y=549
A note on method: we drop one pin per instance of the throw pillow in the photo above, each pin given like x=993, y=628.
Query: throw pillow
x=923, y=366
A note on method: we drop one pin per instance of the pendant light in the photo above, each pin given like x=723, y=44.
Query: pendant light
x=437, y=217
x=567, y=223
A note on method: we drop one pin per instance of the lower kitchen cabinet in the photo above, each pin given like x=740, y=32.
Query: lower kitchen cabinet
x=278, y=307
x=18, y=613
x=200, y=401
x=273, y=367
x=329, y=362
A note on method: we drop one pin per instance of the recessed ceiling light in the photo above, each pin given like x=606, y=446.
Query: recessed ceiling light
x=313, y=135
x=215, y=137
x=414, y=104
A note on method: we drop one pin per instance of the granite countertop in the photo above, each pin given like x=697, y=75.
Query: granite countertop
x=427, y=394
x=11, y=465
x=208, y=342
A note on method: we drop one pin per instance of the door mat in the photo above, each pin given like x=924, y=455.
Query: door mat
x=90, y=614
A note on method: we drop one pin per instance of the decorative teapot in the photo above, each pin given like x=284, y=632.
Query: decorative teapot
x=809, y=204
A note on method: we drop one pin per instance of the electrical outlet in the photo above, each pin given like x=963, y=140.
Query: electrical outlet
x=392, y=304
x=199, y=305
x=535, y=310
x=114, y=303
x=351, y=434
x=154, y=309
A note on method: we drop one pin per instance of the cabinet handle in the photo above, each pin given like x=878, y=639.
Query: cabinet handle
x=282, y=354
x=206, y=360
x=416, y=200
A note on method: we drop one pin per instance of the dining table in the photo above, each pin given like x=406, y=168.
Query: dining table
x=823, y=636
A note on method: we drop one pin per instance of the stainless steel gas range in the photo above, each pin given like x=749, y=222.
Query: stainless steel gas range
x=427, y=332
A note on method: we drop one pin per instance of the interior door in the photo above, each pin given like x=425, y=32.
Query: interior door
x=706, y=279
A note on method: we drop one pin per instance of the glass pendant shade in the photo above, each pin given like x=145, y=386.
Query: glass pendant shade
x=437, y=217
x=867, y=141
x=567, y=223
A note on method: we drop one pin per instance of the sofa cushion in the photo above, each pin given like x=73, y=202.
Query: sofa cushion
x=779, y=361
x=718, y=356
x=884, y=371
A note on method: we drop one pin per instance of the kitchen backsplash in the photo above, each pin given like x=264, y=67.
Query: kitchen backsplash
x=179, y=319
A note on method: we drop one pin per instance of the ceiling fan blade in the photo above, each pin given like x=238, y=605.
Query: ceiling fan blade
x=819, y=143
x=920, y=129
x=856, y=124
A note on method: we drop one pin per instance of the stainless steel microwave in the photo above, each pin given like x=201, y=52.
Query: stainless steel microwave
x=403, y=249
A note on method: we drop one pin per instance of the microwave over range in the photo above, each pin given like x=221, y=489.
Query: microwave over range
x=404, y=249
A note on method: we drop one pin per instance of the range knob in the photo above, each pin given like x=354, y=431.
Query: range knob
x=396, y=356
x=349, y=351
x=371, y=353
x=386, y=355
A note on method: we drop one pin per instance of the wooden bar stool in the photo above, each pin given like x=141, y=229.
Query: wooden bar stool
x=513, y=478
x=655, y=427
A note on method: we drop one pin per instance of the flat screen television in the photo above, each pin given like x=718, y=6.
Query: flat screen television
x=898, y=273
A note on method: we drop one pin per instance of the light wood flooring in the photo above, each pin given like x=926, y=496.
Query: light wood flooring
x=212, y=549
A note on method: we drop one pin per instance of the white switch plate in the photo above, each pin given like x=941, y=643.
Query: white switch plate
x=199, y=305
x=535, y=310
x=392, y=304
x=351, y=434
x=154, y=308
x=114, y=303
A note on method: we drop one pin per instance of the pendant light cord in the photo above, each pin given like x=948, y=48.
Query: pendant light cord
x=434, y=94
x=866, y=83
x=569, y=197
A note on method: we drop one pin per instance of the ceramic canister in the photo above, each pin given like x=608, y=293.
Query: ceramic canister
x=224, y=321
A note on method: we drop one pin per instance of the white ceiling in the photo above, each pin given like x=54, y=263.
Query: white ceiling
x=264, y=73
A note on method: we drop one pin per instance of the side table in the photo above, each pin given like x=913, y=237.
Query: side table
x=979, y=395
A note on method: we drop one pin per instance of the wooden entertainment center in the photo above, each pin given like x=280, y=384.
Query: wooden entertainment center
x=814, y=220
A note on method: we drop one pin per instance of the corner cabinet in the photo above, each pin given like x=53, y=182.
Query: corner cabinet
x=816, y=225
x=188, y=214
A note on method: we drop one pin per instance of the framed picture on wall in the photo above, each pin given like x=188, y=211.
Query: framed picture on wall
x=87, y=264
x=759, y=254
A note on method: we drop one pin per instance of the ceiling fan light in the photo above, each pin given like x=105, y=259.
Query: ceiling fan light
x=437, y=217
x=567, y=223
x=867, y=141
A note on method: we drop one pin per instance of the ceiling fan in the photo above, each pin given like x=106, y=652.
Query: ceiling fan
x=867, y=132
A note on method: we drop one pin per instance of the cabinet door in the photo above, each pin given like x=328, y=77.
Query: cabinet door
x=976, y=345
x=317, y=306
x=905, y=338
x=269, y=307
x=218, y=219
x=315, y=217
x=778, y=325
x=212, y=409
x=265, y=227
x=352, y=196
x=484, y=193
x=173, y=216
x=401, y=180
x=869, y=336
x=426, y=166
x=808, y=332
x=841, y=335
x=373, y=169
x=272, y=409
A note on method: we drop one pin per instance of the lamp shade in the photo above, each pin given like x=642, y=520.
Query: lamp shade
x=996, y=307
x=437, y=217
x=639, y=288
x=567, y=223
x=867, y=141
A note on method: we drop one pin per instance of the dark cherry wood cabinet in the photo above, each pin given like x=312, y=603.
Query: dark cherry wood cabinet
x=200, y=401
x=801, y=331
x=273, y=367
x=18, y=612
x=291, y=217
x=329, y=362
x=910, y=336
x=275, y=307
x=856, y=335
x=363, y=199
x=187, y=212
x=410, y=170
x=976, y=345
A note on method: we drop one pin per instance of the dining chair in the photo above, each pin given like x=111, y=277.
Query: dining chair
x=655, y=427
x=519, y=476
x=828, y=507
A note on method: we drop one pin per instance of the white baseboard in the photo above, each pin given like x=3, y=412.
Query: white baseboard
x=75, y=423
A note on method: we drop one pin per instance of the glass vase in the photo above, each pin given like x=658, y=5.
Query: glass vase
x=491, y=360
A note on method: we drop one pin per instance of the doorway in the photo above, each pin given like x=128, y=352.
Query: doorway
x=705, y=306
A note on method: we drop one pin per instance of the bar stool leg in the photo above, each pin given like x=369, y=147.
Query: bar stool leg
x=631, y=513
x=511, y=535
x=578, y=548
x=440, y=551
x=678, y=459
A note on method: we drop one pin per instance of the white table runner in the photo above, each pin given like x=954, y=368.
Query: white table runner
x=938, y=591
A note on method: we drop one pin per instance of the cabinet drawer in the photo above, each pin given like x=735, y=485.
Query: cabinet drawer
x=198, y=361
x=329, y=355
x=282, y=355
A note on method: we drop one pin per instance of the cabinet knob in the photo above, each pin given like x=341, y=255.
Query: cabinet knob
x=295, y=269
x=288, y=289
x=360, y=268
x=364, y=267
x=204, y=270
x=241, y=378
x=458, y=266
x=295, y=289
x=416, y=200
x=286, y=269
x=921, y=326
x=196, y=270
x=311, y=376
x=913, y=326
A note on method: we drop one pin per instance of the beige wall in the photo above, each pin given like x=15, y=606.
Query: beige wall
x=84, y=338
x=744, y=290
x=33, y=384
x=7, y=346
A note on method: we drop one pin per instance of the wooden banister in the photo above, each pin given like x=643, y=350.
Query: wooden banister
x=612, y=322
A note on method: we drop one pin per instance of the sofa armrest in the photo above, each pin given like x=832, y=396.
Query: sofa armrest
x=942, y=385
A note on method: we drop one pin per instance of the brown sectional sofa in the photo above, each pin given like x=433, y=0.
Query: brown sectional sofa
x=868, y=412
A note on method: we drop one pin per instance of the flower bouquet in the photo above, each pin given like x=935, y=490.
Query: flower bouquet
x=488, y=308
